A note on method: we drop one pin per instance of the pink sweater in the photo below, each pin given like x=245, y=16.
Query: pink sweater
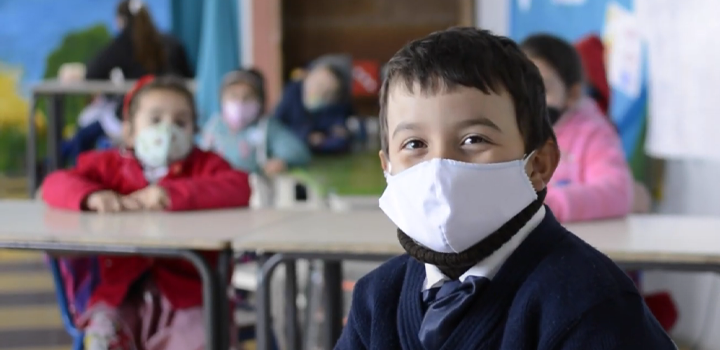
x=592, y=180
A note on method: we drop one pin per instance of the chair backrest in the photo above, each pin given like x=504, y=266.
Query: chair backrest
x=80, y=276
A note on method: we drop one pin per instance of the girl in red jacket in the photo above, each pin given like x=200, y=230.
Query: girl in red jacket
x=142, y=303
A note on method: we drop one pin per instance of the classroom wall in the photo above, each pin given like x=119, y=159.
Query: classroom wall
x=267, y=45
x=689, y=187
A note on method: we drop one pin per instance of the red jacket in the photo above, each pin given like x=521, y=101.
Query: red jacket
x=202, y=181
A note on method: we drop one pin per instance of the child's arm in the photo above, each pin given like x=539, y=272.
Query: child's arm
x=207, y=134
x=68, y=189
x=284, y=112
x=337, y=139
x=608, y=187
x=284, y=145
x=217, y=185
x=621, y=322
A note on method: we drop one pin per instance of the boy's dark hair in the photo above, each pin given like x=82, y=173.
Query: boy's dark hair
x=168, y=83
x=476, y=58
x=559, y=54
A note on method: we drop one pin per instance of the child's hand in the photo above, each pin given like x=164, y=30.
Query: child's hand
x=130, y=203
x=274, y=167
x=104, y=202
x=316, y=138
x=149, y=198
x=339, y=131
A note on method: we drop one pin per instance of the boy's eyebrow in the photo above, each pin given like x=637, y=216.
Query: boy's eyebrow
x=404, y=126
x=479, y=121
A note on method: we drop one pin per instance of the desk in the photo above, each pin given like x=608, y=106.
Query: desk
x=30, y=225
x=642, y=242
x=55, y=91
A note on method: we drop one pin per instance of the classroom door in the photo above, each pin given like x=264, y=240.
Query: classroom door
x=365, y=29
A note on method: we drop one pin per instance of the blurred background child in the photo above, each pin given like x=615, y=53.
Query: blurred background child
x=244, y=136
x=139, y=49
x=317, y=107
x=158, y=169
x=592, y=180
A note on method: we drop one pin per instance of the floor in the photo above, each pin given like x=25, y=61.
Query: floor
x=29, y=317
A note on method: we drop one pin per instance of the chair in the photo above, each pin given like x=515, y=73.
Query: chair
x=62, y=299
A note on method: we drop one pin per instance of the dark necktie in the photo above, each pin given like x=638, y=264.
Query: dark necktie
x=446, y=305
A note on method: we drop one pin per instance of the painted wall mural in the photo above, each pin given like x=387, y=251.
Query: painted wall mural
x=36, y=38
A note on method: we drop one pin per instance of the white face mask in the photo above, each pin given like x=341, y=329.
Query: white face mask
x=159, y=145
x=449, y=206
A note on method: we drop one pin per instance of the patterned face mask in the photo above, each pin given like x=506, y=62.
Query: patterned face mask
x=161, y=144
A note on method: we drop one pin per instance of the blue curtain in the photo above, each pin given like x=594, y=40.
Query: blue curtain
x=186, y=21
x=219, y=51
x=209, y=29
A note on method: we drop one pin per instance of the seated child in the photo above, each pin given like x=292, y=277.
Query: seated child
x=97, y=121
x=316, y=110
x=592, y=180
x=158, y=169
x=592, y=54
x=468, y=151
x=246, y=139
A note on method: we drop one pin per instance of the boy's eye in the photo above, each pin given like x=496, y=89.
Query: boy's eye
x=414, y=144
x=180, y=123
x=474, y=139
x=155, y=119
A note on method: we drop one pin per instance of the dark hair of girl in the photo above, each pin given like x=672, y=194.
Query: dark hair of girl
x=147, y=44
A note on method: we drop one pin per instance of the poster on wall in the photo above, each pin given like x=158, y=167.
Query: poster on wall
x=683, y=55
x=622, y=38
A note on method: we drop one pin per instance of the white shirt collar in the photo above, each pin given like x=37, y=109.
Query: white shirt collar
x=490, y=265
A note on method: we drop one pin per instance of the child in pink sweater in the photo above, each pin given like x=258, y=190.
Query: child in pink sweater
x=592, y=180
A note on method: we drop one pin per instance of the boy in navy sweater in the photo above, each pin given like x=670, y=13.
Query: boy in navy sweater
x=468, y=149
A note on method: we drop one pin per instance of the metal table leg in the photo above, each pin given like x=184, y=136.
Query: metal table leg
x=332, y=273
x=212, y=300
x=268, y=263
x=291, y=313
x=31, y=150
x=225, y=261
x=54, y=130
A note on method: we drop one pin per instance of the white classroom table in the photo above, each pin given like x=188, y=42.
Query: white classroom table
x=55, y=91
x=30, y=225
x=638, y=242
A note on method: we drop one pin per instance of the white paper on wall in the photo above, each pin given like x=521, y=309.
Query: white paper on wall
x=684, y=68
x=623, y=35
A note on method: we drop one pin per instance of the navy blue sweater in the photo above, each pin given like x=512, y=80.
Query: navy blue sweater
x=291, y=112
x=553, y=292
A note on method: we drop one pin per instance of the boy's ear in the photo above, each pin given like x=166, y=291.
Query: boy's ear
x=543, y=164
x=384, y=161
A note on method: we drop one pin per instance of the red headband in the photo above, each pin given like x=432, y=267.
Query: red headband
x=592, y=54
x=131, y=94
